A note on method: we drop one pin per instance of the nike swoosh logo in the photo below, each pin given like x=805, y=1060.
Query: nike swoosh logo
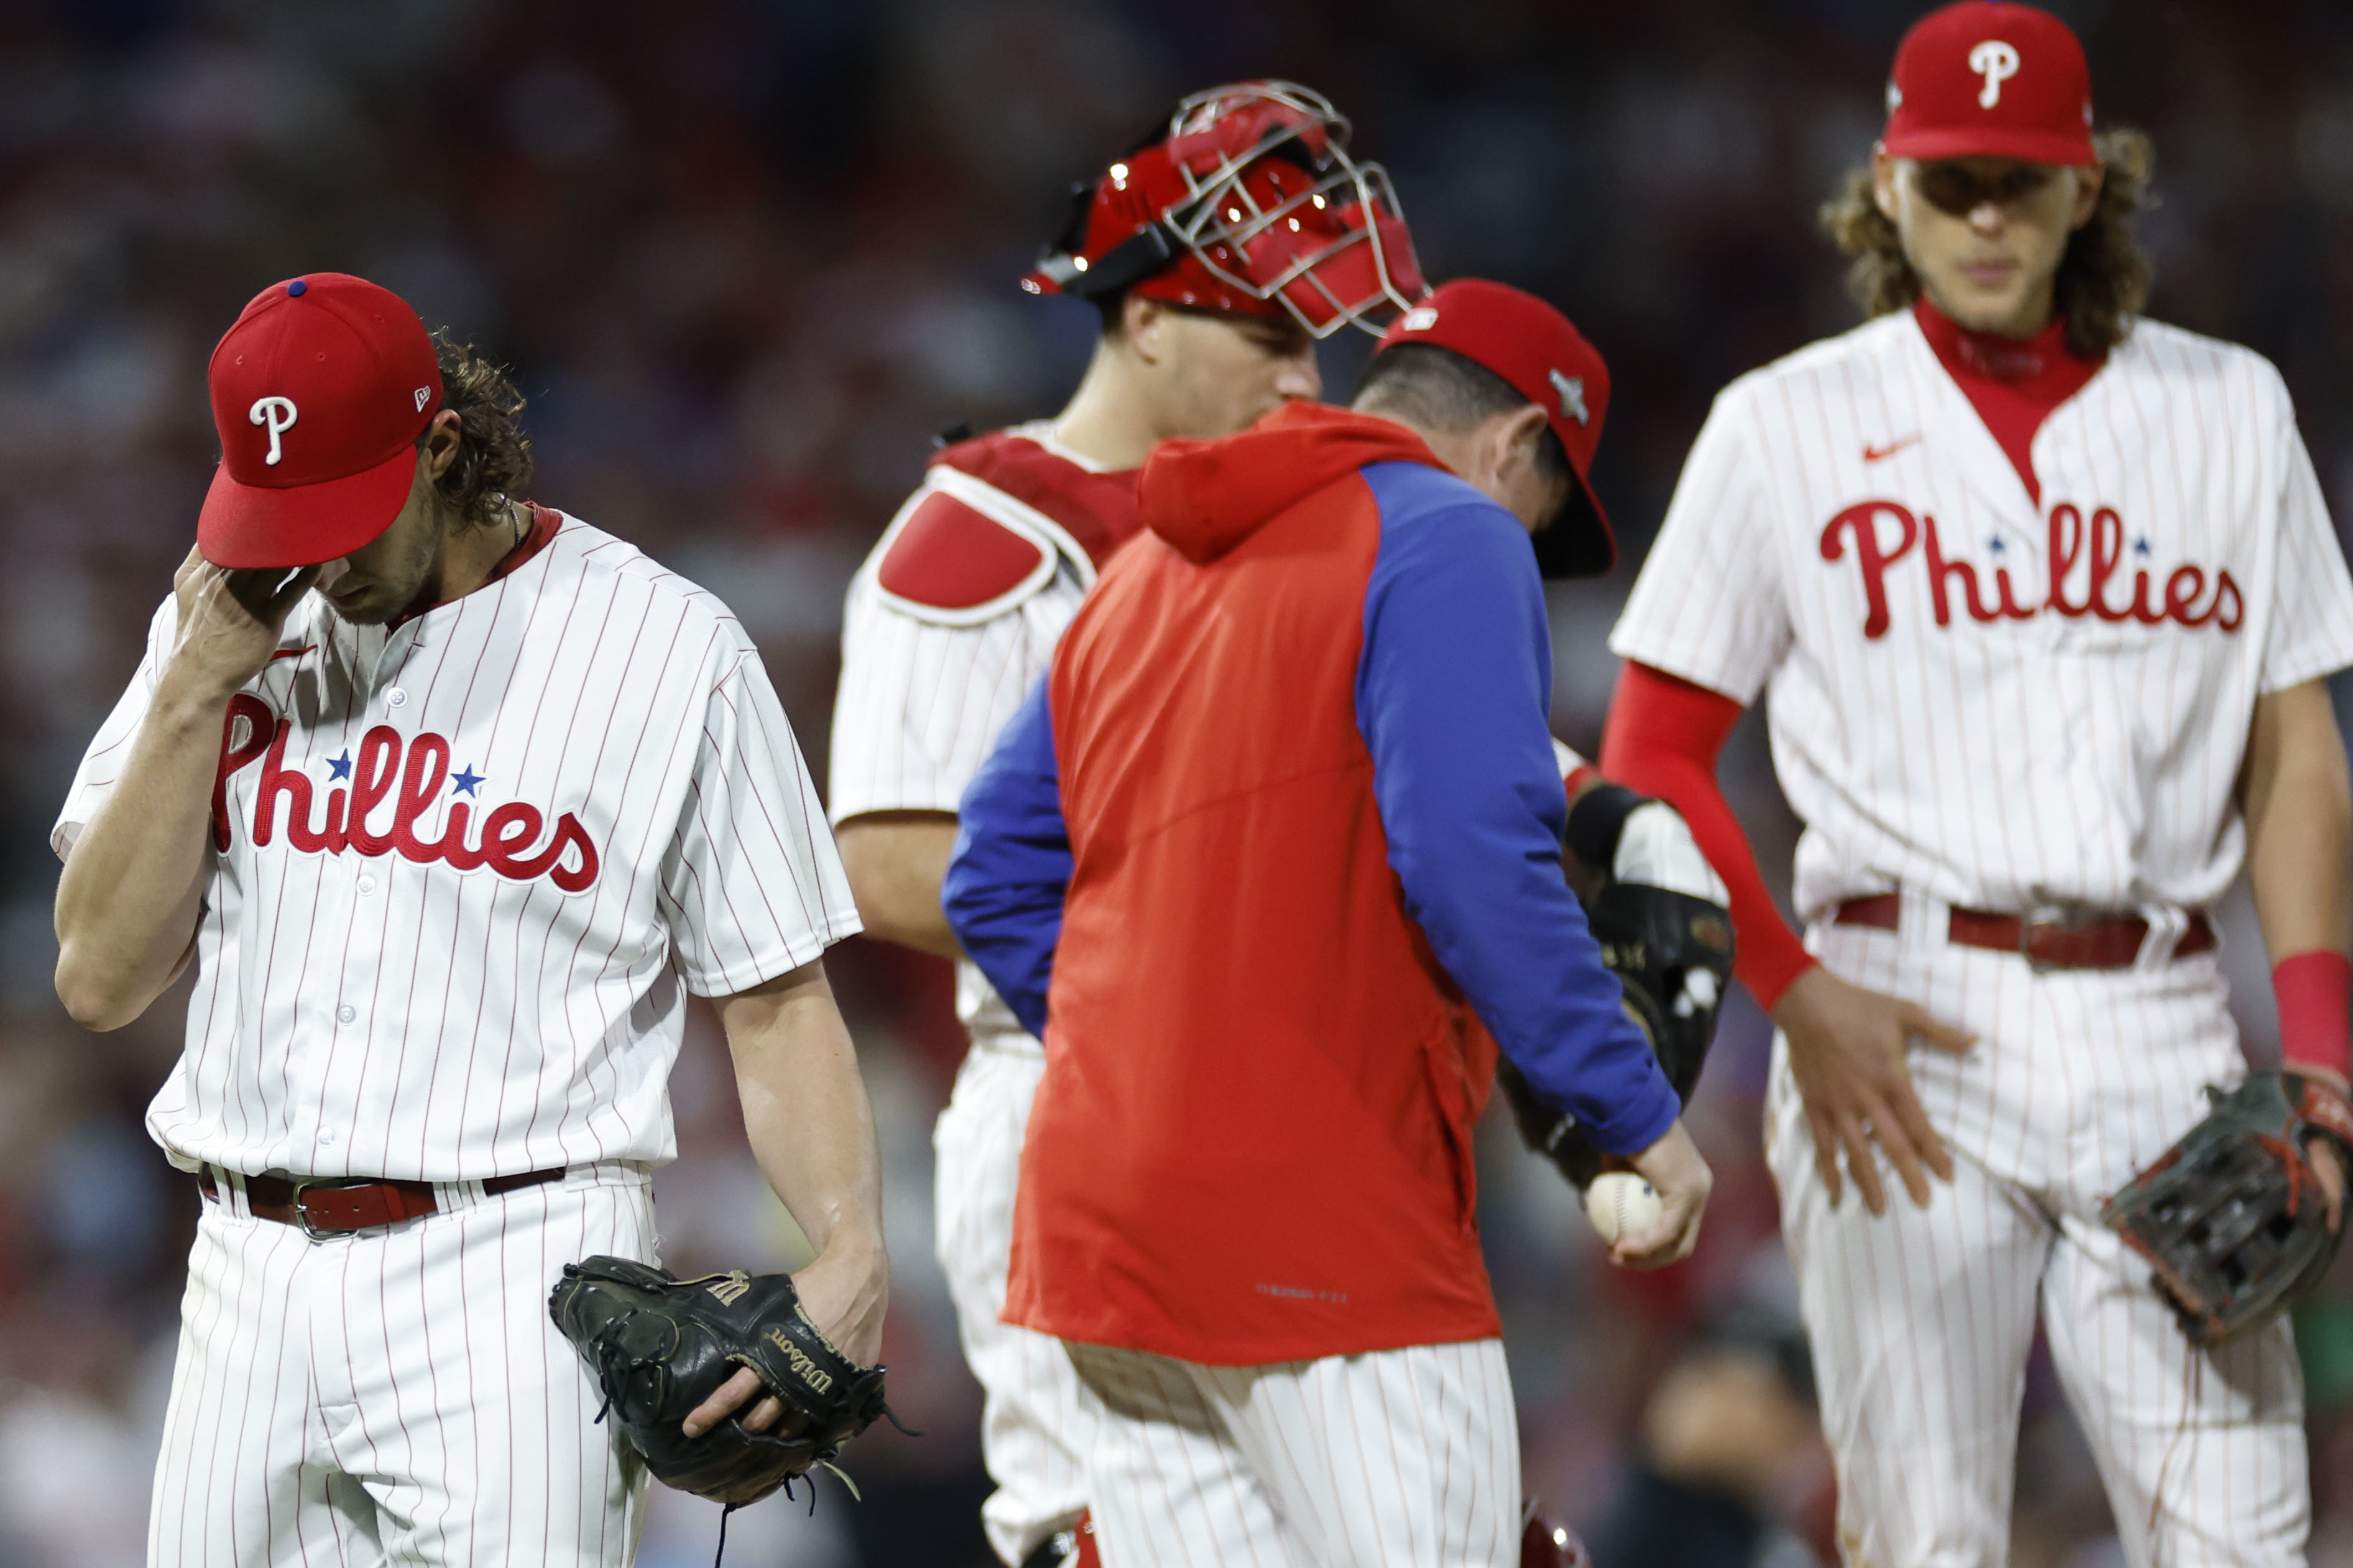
x=292, y=652
x=1873, y=454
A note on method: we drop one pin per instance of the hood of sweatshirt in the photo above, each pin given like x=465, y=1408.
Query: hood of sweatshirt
x=1206, y=497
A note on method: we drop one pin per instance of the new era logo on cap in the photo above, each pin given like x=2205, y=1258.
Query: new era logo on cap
x=320, y=392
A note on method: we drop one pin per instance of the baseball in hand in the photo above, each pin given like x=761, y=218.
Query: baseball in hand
x=1618, y=1202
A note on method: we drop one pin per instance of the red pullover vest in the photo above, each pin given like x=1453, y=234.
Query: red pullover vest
x=1252, y=1140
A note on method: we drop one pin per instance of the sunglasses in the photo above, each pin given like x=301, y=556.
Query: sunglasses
x=1957, y=189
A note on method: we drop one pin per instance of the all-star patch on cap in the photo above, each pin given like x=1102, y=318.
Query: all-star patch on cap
x=320, y=392
x=1546, y=361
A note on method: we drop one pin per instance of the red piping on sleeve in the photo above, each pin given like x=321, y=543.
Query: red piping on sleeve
x=1664, y=738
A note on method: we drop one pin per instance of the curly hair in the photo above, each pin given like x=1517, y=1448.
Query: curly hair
x=494, y=462
x=2104, y=276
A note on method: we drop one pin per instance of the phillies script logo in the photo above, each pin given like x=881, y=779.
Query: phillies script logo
x=2187, y=599
x=403, y=780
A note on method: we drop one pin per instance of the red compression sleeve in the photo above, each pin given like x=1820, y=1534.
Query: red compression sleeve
x=2314, y=991
x=1664, y=738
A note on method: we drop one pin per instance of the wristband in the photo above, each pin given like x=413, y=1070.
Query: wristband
x=2314, y=991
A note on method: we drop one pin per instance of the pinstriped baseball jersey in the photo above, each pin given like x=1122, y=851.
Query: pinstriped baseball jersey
x=2001, y=704
x=466, y=868
x=926, y=682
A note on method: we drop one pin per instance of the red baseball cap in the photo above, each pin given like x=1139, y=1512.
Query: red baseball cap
x=1546, y=361
x=320, y=392
x=1985, y=78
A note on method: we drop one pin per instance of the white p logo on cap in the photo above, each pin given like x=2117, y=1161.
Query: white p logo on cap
x=277, y=413
x=1996, y=62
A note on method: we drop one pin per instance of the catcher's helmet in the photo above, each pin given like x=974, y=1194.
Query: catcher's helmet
x=1248, y=202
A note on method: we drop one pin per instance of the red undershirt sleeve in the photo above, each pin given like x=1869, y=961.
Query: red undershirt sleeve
x=1664, y=738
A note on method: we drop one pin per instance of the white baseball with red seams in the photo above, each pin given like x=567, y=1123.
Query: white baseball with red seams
x=1991, y=703
x=466, y=870
x=1619, y=1202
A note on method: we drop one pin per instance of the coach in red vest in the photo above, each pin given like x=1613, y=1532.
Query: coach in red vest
x=1271, y=861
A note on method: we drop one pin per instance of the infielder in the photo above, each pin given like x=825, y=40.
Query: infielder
x=954, y=614
x=2045, y=596
x=1265, y=857
x=449, y=826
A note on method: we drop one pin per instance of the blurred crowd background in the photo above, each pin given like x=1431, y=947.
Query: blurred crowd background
x=747, y=256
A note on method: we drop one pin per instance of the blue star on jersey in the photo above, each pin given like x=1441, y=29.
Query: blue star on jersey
x=463, y=783
x=338, y=767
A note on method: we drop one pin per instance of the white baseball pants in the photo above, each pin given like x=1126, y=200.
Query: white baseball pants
x=1922, y=1320
x=1403, y=1458
x=396, y=1396
x=1034, y=1433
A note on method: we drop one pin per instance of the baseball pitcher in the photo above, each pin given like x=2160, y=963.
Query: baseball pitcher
x=451, y=799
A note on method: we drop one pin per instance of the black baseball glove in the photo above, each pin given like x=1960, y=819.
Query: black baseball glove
x=1660, y=918
x=2230, y=1218
x=659, y=1346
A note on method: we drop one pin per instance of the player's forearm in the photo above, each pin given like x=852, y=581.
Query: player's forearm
x=805, y=1109
x=2298, y=802
x=895, y=860
x=128, y=901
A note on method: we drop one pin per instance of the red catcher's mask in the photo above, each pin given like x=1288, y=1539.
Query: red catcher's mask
x=1249, y=202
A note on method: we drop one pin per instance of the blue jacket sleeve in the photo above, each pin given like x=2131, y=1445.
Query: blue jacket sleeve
x=1011, y=864
x=1453, y=690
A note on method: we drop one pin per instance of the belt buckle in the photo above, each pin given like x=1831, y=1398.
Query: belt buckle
x=303, y=1209
x=2063, y=916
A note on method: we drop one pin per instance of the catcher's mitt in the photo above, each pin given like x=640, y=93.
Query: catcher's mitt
x=659, y=1346
x=1660, y=918
x=2230, y=1218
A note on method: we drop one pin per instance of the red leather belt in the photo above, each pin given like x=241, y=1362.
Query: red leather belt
x=334, y=1205
x=2052, y=939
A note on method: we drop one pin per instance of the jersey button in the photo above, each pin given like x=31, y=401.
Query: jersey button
x=327, y=1138
x=367, y=885
x=396, y=696
x=346, y=1012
